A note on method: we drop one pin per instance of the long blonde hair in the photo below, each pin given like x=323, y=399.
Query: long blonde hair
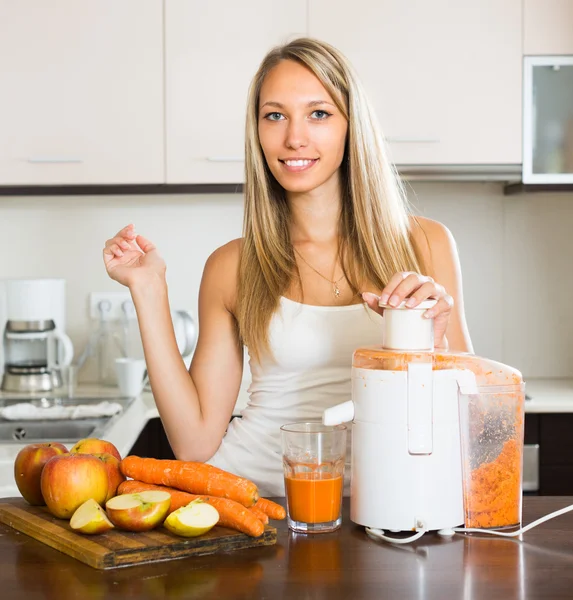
x=375, y=241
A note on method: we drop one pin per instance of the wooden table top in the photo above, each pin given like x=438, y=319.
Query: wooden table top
x=345, y=564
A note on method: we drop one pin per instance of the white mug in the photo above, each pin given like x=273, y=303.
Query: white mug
x=131, y=377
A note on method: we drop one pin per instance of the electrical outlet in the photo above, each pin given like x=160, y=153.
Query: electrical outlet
x=113, y=303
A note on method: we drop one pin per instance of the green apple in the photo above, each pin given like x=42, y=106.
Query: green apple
x=90, y=518
x=192, y=520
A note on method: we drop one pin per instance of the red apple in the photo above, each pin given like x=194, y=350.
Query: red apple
x=71, y=479
x=114, y=475
x=95, y=446
x=28, y=468
x=138, y=512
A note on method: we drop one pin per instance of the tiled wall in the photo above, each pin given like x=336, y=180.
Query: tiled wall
x=515, y=252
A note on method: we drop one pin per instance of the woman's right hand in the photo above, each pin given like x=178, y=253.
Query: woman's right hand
x=130, y=258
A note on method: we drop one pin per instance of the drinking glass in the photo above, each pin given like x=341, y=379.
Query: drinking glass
x=313, y=461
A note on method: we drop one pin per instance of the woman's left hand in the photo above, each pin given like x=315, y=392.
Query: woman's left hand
x=415, y=288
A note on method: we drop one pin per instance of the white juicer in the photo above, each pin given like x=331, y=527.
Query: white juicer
x=426, y=429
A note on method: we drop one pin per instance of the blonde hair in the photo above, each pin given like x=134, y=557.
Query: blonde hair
x=375, y=241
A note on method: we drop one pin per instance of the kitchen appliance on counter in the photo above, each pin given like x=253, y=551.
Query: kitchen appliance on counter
x=35, y=348
x=116, y=335
x=437, y=437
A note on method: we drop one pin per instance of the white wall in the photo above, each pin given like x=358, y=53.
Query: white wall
x=515, y=254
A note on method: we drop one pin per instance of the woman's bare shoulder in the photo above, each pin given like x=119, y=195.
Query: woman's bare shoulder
x=433, y=240
x=228, y=254
x=222, y=271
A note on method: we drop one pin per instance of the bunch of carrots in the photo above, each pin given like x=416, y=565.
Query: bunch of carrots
x=235, y=498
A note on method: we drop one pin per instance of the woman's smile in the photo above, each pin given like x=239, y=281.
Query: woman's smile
x=297, y=165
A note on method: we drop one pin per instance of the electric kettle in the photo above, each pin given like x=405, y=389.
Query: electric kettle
x=437, y=437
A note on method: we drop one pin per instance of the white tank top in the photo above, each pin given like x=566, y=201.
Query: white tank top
x=313, y=347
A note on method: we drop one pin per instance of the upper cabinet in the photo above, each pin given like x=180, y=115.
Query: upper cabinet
x=213, y=50
x=547, y=27
x=154, y=91
x=548, y=119
x=444, y=77
x=82, y=92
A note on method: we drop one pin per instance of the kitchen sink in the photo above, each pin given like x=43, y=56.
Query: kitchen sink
x=25, y=431
x=51, y=431
x=47, y=401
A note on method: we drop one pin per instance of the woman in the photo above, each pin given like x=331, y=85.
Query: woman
x=326, y=236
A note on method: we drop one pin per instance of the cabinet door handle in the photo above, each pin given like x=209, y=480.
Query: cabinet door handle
x=225, y=159
x=407, y=140
x=61, y=160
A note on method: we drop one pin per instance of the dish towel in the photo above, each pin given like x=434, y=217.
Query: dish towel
x=27, y=411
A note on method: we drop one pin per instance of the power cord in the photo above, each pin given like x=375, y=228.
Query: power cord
x=378, y=534
x=552, y=515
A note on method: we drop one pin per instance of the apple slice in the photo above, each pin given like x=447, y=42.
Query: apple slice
x=192, y=520
x=138, y=512
x=90, y=518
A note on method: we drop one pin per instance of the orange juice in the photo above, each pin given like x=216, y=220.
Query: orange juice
x=314, y=497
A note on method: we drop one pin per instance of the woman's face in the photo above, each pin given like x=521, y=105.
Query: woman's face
x=301, y=131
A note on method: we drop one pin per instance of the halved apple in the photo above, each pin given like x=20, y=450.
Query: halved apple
x=192, y=520
x=138, y=512
x=90, y=518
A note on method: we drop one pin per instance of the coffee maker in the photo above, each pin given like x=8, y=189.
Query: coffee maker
x=35, y=348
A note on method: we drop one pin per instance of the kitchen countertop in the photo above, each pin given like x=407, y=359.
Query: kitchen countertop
x=548, y=396
x=345, y=564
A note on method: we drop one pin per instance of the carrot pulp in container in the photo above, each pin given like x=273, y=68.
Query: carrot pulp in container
x=493, y=497
x=314, y=497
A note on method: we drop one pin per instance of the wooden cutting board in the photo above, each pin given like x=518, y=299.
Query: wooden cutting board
x=118, y=548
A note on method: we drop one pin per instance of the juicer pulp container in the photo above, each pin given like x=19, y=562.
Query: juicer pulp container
x=492, y=428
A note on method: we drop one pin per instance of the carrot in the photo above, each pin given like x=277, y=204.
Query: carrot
x=272, y=509
x=231, y=514
x=192, y=477
x=261, y=516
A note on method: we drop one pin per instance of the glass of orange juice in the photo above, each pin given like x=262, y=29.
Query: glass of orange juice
x=313, y=460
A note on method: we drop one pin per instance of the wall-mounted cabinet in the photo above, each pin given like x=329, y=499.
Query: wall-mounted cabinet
x=213, y=50
x=548, y=119
x=547, y=27
x=155, y=92
x=444, y=77
x=82, y=92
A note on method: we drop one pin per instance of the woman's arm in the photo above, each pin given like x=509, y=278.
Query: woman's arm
x=438, y=249
x=195, y=407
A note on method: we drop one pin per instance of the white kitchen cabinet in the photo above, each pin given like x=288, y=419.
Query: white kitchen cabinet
x=444, y=77
x=82, y=92
x=548, y=27
x=213, y=49
x=548, y=119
